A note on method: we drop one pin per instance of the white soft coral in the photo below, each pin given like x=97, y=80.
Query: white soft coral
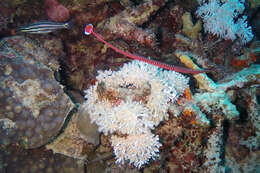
x=219, y=18
x=137, y=149
x=131, y=102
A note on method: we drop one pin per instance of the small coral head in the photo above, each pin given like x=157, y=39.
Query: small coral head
x=88, y=29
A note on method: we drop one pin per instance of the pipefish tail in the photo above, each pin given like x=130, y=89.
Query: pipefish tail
x=89, y=30
x=44, y=27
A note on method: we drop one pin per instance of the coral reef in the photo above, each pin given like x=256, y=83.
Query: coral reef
x=217, y=102
x=30, y=96
x=96, y=56
x=154, y=119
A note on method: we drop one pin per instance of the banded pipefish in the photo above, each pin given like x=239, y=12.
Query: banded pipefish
x=44, y=27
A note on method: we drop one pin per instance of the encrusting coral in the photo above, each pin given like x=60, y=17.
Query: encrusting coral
x=124, y=24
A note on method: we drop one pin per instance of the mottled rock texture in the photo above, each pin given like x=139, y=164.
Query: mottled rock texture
x=33, y=105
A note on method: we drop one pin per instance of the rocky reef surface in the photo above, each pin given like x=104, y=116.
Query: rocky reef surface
x=33, y=104
x=69, y=103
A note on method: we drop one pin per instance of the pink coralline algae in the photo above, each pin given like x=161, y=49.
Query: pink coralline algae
x=56, y=12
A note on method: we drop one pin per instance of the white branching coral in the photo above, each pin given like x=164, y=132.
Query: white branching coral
x=132, y=102
x=220, y=17
x=137, y=149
